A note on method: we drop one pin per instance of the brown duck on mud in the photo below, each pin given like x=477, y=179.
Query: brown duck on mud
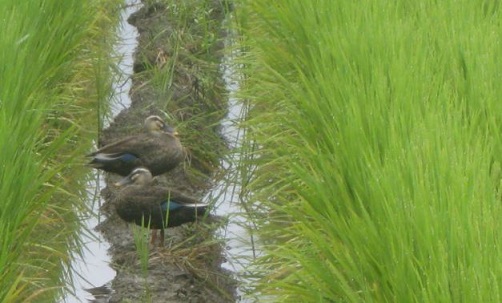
x=154, y=206
x=158, y=149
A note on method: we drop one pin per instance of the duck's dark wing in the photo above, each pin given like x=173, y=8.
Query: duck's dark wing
x=120, y=157
x=131, y=144
x=152, y=196
x=157, y=152
x=182, y=208
x=181, y=198
x=139, y=203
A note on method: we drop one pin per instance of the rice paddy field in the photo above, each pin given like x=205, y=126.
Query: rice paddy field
x=371, y=165
x=54, y=76
x=373, y=149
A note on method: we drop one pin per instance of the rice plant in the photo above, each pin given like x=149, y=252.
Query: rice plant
x=375, y=132
x=49, y=51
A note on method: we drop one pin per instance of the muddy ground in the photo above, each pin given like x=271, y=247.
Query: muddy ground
x=182, y=38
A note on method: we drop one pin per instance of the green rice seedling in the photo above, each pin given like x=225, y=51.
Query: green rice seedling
x=42, y=113
x=141, y=242
x=375, y=133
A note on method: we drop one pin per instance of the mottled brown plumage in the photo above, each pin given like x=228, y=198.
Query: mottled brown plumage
x=158, y=149
x=154, y=206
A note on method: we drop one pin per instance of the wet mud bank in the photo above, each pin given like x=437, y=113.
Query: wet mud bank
x=177, y=76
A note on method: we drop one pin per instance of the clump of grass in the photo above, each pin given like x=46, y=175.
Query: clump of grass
x=176, y=73
x=183, y=74
x=141, y=242
x=46, y=93
x=375, y=133
x=200, y=255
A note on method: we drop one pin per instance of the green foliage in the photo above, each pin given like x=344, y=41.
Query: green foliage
x=47, y=87
x=378, y=128
x=186, y=68
x=141, y=241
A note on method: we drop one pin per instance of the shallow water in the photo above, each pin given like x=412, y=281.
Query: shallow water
x=93, y=270
x=240, y=244
x=125, y=50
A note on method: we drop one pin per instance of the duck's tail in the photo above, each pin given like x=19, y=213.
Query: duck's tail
x=100, y=160
x=173, y=205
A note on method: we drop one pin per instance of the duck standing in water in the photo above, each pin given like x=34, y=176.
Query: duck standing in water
x=154, y=206
x=158, y=149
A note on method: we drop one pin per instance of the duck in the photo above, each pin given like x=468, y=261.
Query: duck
x=158, y=149
x=154, y=206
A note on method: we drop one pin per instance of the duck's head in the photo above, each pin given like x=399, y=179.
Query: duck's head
x=139, y=176
x=155, y=124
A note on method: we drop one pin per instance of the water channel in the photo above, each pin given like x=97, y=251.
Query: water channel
x=93, y=270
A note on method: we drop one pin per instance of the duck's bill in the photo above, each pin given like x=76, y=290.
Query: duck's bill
x=170, y=130
x=123, y=181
